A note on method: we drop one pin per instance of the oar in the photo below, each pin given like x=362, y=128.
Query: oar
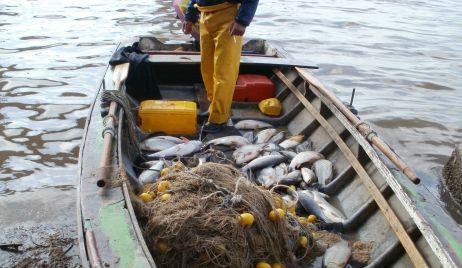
x=361, y=126
x=119, y=75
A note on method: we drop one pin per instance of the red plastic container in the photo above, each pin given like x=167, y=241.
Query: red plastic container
x=253, y=88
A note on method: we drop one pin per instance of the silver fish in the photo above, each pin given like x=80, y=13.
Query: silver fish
x=247, y=153
x=293, y=178
x=281, y=170
x=249, y=136
x=171, y=138
x=292, y=141
x=290, y=155
x=308, y=176
x=304, y=146
x=152, y=174
x=313, y=202
x=271, y=147
x=304, y=157
x=264, y=161
x=265, y=135
x=337, y=255
x=251, y=124
x=155, y=144
x=266, y=177
x=183, y=149
x=324, y=171
x=278, y=137
x=234, y=141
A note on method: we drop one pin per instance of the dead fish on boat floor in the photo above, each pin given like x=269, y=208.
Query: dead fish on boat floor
x=271, y=147
x=293, y=178
x=307, y=145
x=266, y=177
x=278, y=137
x=308, y=157
x=337, y=255
x=308, y=176
x=234, y=141
x=249, y=136
x=292, y=141
x=183, y=149
x=314, y=203
x=265, y=135
x=290, y=155
x=324, y=170
x=264, y=161
x=171, y=138
x=152, y=174
x=247, y=153
x=251, y=124
x=155, y=144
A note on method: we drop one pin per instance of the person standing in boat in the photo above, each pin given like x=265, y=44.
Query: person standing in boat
x=222, y=25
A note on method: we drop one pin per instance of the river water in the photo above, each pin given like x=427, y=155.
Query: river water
x=403, y=57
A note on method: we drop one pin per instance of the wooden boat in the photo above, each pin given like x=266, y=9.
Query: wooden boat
x=407, y=225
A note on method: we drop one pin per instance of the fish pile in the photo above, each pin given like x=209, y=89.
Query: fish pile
x=265, y=154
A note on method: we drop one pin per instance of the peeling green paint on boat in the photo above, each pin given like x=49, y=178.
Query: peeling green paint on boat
x=455, y=245
x=115, y=226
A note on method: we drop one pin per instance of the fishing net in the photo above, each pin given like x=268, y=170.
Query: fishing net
x=197, y=225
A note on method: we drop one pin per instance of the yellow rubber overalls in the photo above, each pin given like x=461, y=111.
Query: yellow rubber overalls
x=220, y=58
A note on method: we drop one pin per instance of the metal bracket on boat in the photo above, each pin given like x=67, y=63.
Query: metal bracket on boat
x=369, y=134
x=108, y=129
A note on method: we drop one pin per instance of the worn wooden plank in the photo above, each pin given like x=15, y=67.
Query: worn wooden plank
x=388, y=212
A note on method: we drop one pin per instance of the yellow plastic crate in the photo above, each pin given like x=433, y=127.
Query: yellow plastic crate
x=171, y=117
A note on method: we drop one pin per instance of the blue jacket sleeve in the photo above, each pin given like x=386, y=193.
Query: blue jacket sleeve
x=192, y=13
x=246, y=12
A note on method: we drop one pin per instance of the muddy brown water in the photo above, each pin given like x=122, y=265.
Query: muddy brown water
x=403, y=58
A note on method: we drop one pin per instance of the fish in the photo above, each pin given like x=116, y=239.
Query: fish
x=265, y=135
x=324, y=170
x=171, y=138
x=249, y=136
x=293, y=178
x=281, y=170
x=233, y=141
x=304, y=146
x=313, y=202
x=247, y=153
x=308, y=176
x=152, y=174
x=266, y=177
x=303, y=185
x=292, y=141
x=304, y=157
x=183, y=149
x=264, y=161
x=290, y=155
x=155, y=144
x=337, y=255
x=271, y=147
x=278, y=137
x=252, y=124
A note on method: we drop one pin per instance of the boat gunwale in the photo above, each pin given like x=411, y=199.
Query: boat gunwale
x=417, y=217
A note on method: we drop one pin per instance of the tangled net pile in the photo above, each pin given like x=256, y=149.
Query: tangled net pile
x=198, y=225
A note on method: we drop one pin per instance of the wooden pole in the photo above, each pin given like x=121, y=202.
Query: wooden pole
x=119, y=75
x=362, y=127
x=387, y=211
